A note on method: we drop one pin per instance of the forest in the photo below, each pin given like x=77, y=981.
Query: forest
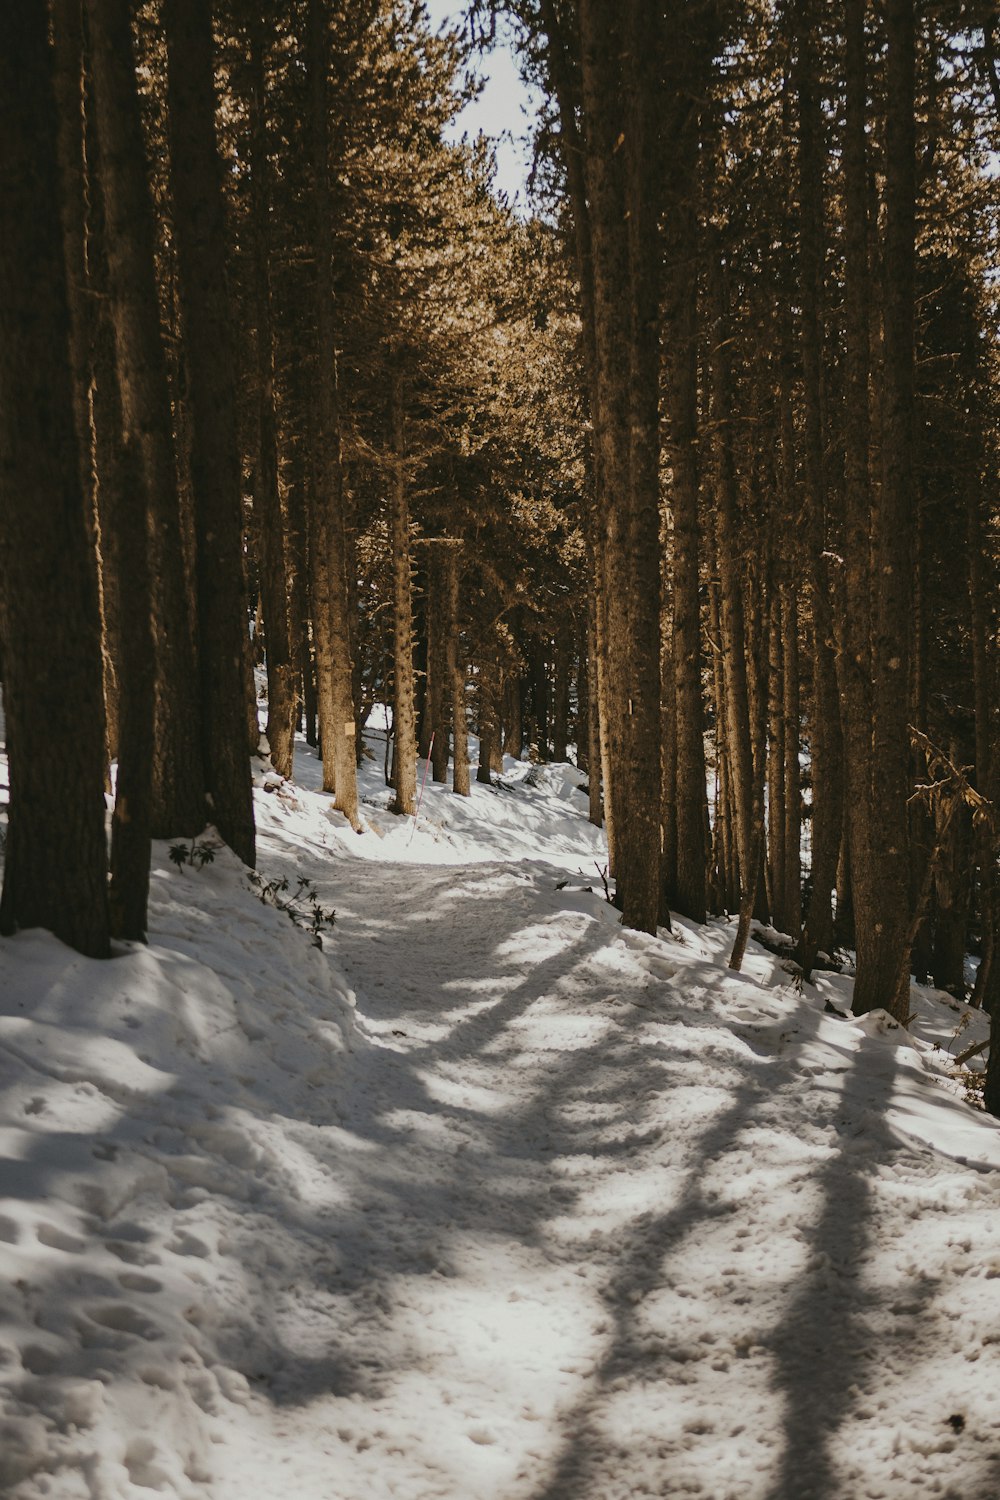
x=499, y=751
x=692, y=467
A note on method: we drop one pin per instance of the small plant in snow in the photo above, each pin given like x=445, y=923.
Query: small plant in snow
x=302, y=906
x=197, y=855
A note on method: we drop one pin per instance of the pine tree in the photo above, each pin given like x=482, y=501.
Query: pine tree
x=55, y=859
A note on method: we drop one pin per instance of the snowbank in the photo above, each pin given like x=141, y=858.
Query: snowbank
x=478, y=1195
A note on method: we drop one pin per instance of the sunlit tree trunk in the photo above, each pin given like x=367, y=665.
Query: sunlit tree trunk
x=178, y=780
x=340, y=723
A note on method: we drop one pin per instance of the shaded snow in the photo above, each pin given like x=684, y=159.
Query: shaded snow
x=484, y=1198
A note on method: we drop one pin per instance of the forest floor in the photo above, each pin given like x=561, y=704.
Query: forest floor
x=477, y=1195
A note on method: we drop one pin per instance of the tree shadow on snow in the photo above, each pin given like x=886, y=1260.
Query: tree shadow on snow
x=823, y=1357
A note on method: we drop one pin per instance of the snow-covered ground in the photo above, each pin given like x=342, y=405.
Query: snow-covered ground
x=479, y=1196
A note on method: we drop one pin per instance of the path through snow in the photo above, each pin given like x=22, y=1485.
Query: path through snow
x=566, y=1213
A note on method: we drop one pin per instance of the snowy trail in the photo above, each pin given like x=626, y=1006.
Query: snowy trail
x=634, y=1254
x=486, y=1199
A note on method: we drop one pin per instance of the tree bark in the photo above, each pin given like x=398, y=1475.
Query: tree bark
x=824, y=722
x=55, y=868
x=121, y=497
x=595, y=808
x=200, y=238
x=732, y=624
x=281, y=697
x=330, y=466
x=617, y=77
x=682, y=404
x=178, y=781
x=456, y=674
x=880, y=854
x=403, y=709
x=439, y=685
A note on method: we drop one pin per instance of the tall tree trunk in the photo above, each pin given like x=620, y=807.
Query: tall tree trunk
x=792, y=714
x=488, y=721
x=617, y=73
x=438, y=669
x=726, y=877
x=281, y=698
x=56, y=860
x=403, y=709
x=178, y=781
x=560, y=698
x=595, y=811
x=824, y=724
x=984, y=679
x=893, y=531
x=456, y=673
x=319, y=563
x=582, y=732
x=121, y=496
x=875, y=663
x=731, y=615
x=513, y=739
x=299, y=589
x=777, y=827
x=855, y=659
x=68, y=80
x=330, y=466
x=668, y=735
x=200, y=238
x=682, y=404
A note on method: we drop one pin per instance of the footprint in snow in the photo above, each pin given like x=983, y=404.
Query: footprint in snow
x=120, y=1318
x=57, y=1239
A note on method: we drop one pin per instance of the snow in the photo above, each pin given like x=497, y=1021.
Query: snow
x=478, y=1195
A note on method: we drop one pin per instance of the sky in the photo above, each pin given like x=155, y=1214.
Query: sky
x=502, y=110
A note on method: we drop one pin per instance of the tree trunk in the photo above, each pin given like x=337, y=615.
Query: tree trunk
x=560, y=699
x=55, y=868
x=403, y=710
x=776, y=821
x=456, y=673
x=200, y=238
x=179, y=804
x=488, y=721
x=330, y=467
x=68, y=80
x=178, y=781
x=668, y=735
x=617, y=75
x=883, y=921
x=984, y=679
x=299, y=590
x=439, y=684
x=121, y=495
x=682, y=405
x=855, y=659
x=595, y=810
x=731, y=615
x=319, y=560
x=267, y=498
x=893, y=531
x=792, y=713
x=824, y=722
x=513, y=738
